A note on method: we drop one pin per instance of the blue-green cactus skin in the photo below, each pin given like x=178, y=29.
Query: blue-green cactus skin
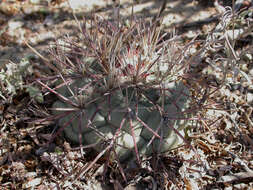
x=98, y=121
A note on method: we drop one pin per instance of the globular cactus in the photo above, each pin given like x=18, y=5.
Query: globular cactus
x=122, y=89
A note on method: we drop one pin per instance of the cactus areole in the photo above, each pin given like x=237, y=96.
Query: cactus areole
x=131, y=97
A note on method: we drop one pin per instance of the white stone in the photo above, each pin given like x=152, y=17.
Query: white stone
x=35, y=1
x=248, y=56
x=250, y=87
x=32, y=183
x=249, y=97
x=84, y=5
x=251, y=72
x=234, y=34
x=13, y=25
x=30, y=174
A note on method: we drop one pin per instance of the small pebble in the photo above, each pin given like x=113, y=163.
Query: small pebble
x=30, y=174
x=250, y=88
x=249, y=97
x=35, y=1
x=251, y=72
x=13, y=25
x=234, y=34
x=33, y=183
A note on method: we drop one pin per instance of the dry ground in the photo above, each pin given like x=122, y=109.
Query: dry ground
x=224, y=142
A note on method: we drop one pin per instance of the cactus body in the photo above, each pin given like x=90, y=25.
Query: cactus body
x=100, y=119
x=124, y=88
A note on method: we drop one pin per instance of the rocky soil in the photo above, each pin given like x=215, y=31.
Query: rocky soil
x=223, y=141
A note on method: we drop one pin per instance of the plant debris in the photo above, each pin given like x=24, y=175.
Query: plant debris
x=222, y=138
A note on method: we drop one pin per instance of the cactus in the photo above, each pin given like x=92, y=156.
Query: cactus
x=122, y=90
